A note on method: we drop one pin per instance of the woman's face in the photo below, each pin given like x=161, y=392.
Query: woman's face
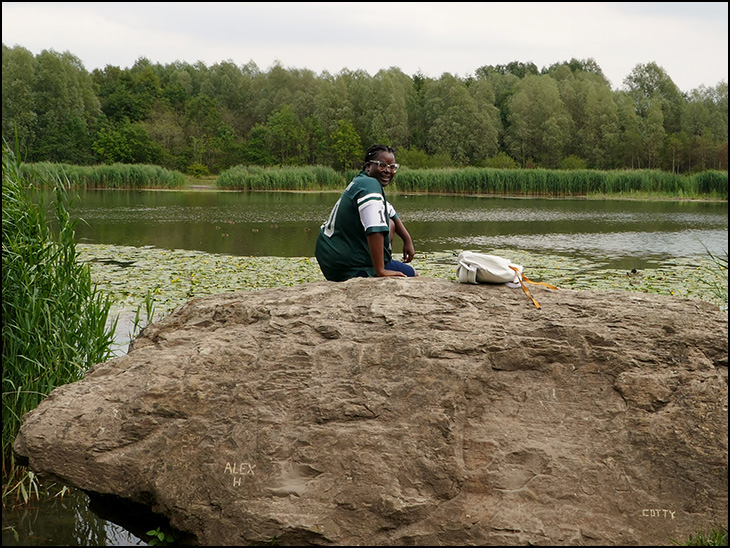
x=383, y=174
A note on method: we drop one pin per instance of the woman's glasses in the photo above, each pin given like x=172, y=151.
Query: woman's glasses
x=382, y=165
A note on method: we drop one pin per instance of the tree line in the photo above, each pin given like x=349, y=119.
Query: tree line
x=200, y=120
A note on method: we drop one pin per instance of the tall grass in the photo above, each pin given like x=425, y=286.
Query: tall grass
x=54, y=318
x=717, y=284
x=281, y=178
x=118, y=176
x=467, y=181
x=557, y=183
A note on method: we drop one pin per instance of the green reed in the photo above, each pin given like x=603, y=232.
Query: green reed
x=120, y=176
x=717, y=284
x=467, y=181
x=55, y=320
x=556, y=183
x=716, y=537
x=281, y=178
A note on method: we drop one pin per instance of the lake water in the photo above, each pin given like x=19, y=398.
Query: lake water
x=616, y=233
x=621, y=233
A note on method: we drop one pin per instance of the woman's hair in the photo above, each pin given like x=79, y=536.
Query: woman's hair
x=374, y=150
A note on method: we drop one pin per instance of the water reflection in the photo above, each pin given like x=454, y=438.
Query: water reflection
x=65, y=520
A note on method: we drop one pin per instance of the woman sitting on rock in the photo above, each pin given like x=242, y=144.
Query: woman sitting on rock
x=355, y=240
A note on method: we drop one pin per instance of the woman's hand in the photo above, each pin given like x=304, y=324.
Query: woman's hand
x=408, y=251
x=390, y=273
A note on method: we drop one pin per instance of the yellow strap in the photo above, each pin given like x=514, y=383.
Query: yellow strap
x=522, y=277
x=524, y=287
x=529, y=281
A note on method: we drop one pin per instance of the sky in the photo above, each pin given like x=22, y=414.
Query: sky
x=689, y=40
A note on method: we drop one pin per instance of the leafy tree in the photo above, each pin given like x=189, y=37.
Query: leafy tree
x=413, y=158
x=128, y=94
x=516, y=68
x=127, y=143
x=346, y=146
x=314, y=142
x=573, y=162
x=503, y=86
x=66, y=107
x=389, y=121
x=165, y=126
x=628, y=149
x=675, y=146
x=226, y=150
x=363, y=105
x=704, y=120
x=594, y=117
x=416, y=114
x=539, y=122
x=576, y=68
x=332, y=104
x=459, y=125
x=483, y=95
x=19, y=109
x=652, y=133
x=275, y=90
x=650, y=83
x=286, y=136
x=257, y=149
x=202, y=123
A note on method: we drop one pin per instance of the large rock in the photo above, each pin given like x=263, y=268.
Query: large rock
x=408, y=412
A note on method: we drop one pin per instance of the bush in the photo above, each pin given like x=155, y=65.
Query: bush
x=197, y=170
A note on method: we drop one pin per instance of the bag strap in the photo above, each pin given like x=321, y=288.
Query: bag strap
x=529, y=281
x=524, y=287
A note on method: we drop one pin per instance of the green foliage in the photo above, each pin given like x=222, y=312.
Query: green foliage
x=257, y=150
x=281, y=178
x=149, y=309
x=123, y=176
x=54, y=318
x=346, y=145
x=716, y=537
x=717, y=284
x=57, y=115
x=197, y=170
x=180, y=114
x=413, y=158
x=711, y=183
x=159, y=538
x=543, y=182
x=126, y=143
x=501, y=161
x=573, y=162
x=287, y=136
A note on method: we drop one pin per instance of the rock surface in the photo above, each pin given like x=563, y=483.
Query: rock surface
x=408, y=412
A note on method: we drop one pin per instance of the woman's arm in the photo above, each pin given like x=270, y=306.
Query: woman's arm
x=375, y=246
x=408, y=250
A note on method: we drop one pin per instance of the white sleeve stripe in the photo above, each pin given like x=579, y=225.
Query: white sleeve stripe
x=367, y=198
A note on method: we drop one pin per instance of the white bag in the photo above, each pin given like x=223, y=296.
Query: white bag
x=475, y=268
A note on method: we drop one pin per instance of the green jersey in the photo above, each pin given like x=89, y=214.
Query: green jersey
x=342, y=245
